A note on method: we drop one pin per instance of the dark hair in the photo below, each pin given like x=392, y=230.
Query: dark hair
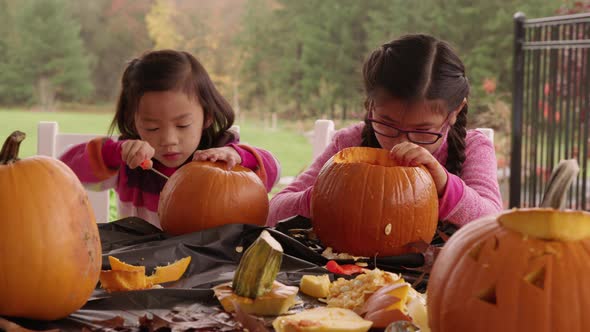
x=167, y=70
x=415, y=68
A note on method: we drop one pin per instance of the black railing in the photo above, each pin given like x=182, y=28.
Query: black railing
x=551, y=106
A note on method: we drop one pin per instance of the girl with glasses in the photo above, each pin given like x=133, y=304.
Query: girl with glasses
x=416, y=107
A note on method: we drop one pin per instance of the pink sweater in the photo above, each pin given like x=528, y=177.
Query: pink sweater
x=475, y=194
x=99, y=166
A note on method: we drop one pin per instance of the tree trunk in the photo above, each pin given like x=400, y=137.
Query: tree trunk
x=46, y=94
x=235, y=100
x=274, y=121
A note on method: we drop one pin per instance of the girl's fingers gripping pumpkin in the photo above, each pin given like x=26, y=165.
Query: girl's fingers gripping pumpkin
x=404, y=152
x=227, y=154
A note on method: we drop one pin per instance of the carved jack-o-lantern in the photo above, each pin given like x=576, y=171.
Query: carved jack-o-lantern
x=524, y=270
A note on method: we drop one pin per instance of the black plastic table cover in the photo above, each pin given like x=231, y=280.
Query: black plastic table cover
x=215, y=254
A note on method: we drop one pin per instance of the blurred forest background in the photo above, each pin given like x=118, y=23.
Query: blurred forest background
x=300, y=59
x=289, y=61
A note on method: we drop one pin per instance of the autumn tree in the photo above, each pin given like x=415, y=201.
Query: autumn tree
x=45, y=56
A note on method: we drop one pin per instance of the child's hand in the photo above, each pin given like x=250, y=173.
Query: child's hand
x=410, y=154
x=134, y=152
x=226, y=153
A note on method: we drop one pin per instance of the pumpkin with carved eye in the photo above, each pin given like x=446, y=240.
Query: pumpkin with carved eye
x=365, y=204
x=524, y=270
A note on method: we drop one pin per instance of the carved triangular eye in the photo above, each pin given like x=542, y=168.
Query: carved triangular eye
x=488, y=295
x=476, y=251
x=496, y=243
x=536, y=277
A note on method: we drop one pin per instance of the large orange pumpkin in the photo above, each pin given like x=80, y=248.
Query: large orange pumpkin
x=363, y=203
x=204, y=194
x=524, y=270
x=50, y=255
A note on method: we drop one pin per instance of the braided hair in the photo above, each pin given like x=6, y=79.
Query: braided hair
x=420, y=67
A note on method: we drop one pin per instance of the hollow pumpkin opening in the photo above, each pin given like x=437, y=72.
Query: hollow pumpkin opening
x=371, y=156
x=548, y=224
x=222, y=166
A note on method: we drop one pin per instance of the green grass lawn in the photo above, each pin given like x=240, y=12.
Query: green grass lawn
x=291, y=148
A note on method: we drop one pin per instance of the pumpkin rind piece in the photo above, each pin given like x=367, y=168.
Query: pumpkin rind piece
x=322, y=320
x=170, y=272
x=117, y=280
x=118, y=265
x=273, y=303
x=316, y=286
x=258, y=267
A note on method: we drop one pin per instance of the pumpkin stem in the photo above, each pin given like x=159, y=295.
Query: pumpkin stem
x=560, y=181
x=9, y=152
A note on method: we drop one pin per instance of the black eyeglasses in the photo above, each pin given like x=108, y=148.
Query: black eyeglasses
x=414, y=136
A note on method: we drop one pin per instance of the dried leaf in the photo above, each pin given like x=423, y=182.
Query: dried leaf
x=249, y=322
x=192, y=318
x=154, y=323
x=115, y=322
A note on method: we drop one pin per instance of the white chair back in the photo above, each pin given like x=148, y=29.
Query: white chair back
x=52, y=143
x=323, y=131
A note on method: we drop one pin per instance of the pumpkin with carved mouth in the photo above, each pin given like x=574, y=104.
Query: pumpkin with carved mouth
x=523, y=270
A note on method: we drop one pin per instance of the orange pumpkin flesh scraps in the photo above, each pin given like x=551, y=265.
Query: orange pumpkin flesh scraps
x=117, y=265
x=203, y=194
x=170, y=272
x=121, y=280
x=364, y=204
x=125, y=277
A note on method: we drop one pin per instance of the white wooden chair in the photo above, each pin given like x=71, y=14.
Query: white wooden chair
x=52, y=143
x=324, y=130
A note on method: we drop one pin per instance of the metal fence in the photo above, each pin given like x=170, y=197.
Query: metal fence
x=551, y=106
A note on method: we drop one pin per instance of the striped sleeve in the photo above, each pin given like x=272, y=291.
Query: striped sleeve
x=88, y=162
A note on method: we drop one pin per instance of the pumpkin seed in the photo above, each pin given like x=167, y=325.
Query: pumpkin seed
x=388, y=229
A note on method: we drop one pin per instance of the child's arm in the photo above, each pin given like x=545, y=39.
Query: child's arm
x=96, y=163
x=262, y=162
x=295, y=199
x=476, y=193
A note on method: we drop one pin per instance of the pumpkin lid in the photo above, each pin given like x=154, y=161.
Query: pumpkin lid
x=548, y=224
